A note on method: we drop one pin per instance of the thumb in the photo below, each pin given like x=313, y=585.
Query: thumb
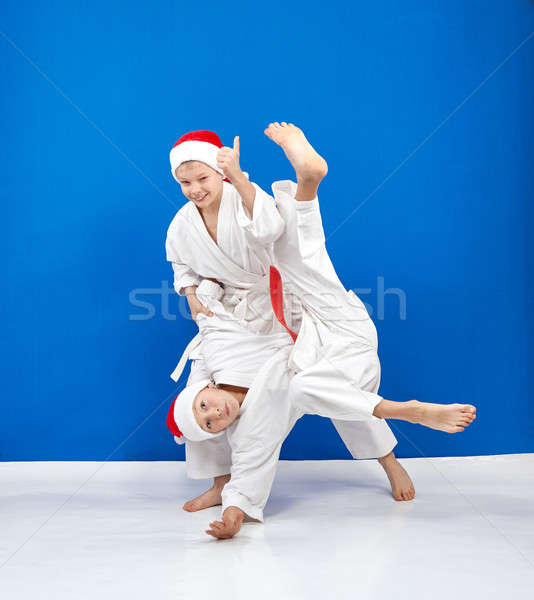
x=206, y=311
x=236, y=144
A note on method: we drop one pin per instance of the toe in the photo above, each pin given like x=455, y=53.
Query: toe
x=284, y=124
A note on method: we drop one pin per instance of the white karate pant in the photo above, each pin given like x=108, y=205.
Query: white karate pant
x=369, y=438
x=343, y=386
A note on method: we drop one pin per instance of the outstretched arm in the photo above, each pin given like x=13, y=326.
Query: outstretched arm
x=254, y=463
x=256, y=440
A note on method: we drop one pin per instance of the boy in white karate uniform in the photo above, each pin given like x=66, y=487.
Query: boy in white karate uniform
x=208, y=238
x=335, y=355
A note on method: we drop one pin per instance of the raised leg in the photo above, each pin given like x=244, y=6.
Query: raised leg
x=310, y=167
x=451, y=418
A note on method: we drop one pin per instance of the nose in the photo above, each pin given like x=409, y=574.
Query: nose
x=216, y=412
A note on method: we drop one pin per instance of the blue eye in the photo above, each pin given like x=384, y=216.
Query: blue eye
x=208, y=424
x=202, y=404
x=202, y=178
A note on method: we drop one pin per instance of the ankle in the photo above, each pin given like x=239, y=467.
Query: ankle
x=386, y=458
x=415, y=411
x=220, y=482
x=310, y=180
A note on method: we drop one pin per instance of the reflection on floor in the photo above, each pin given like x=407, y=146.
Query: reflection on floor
x=332, y=530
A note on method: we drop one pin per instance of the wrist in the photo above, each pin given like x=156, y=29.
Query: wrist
x=190, y=290
x=234, y=510
x=238, y=177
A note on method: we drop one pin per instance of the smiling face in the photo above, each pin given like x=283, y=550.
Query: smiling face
x=200, y=183
x=215, y=409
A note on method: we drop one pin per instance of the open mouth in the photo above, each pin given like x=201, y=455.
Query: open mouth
x=202, y=199
x=227, y=410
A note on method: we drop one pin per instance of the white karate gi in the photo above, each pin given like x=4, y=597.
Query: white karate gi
x=240, y=261
x=277, y=396
x=337, y=320
x=337, y=317
x=335, y=357
x=242, y=268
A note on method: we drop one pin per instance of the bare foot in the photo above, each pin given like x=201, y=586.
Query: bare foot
x=401, y=485
x=451, y=418
x=212, y=497
x=308, y=165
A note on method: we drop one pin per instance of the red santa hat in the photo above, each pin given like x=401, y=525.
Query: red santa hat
x=196, y=145
x=181, y=419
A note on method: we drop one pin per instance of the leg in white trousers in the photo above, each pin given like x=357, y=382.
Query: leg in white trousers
x=342, y=386
x=368, y=438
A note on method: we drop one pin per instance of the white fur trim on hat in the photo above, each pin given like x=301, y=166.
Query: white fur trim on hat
x=194, y=150
x=184, y=416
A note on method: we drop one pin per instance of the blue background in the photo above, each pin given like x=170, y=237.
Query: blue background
x=96, y=93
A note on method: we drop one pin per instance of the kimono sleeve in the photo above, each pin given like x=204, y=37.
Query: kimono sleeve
x=184, y=275
x=252, y=477
x=265, y=225
x=256, y=438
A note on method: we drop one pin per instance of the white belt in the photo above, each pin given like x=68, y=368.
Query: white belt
x=194, y=343
x=251, y=305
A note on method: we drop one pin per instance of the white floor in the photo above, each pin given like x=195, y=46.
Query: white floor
x=116, y=530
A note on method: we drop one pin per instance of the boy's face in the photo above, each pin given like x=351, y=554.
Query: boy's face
x=215, y=409
x=200, y=183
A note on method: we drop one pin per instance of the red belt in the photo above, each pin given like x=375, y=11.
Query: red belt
x=277, y=298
